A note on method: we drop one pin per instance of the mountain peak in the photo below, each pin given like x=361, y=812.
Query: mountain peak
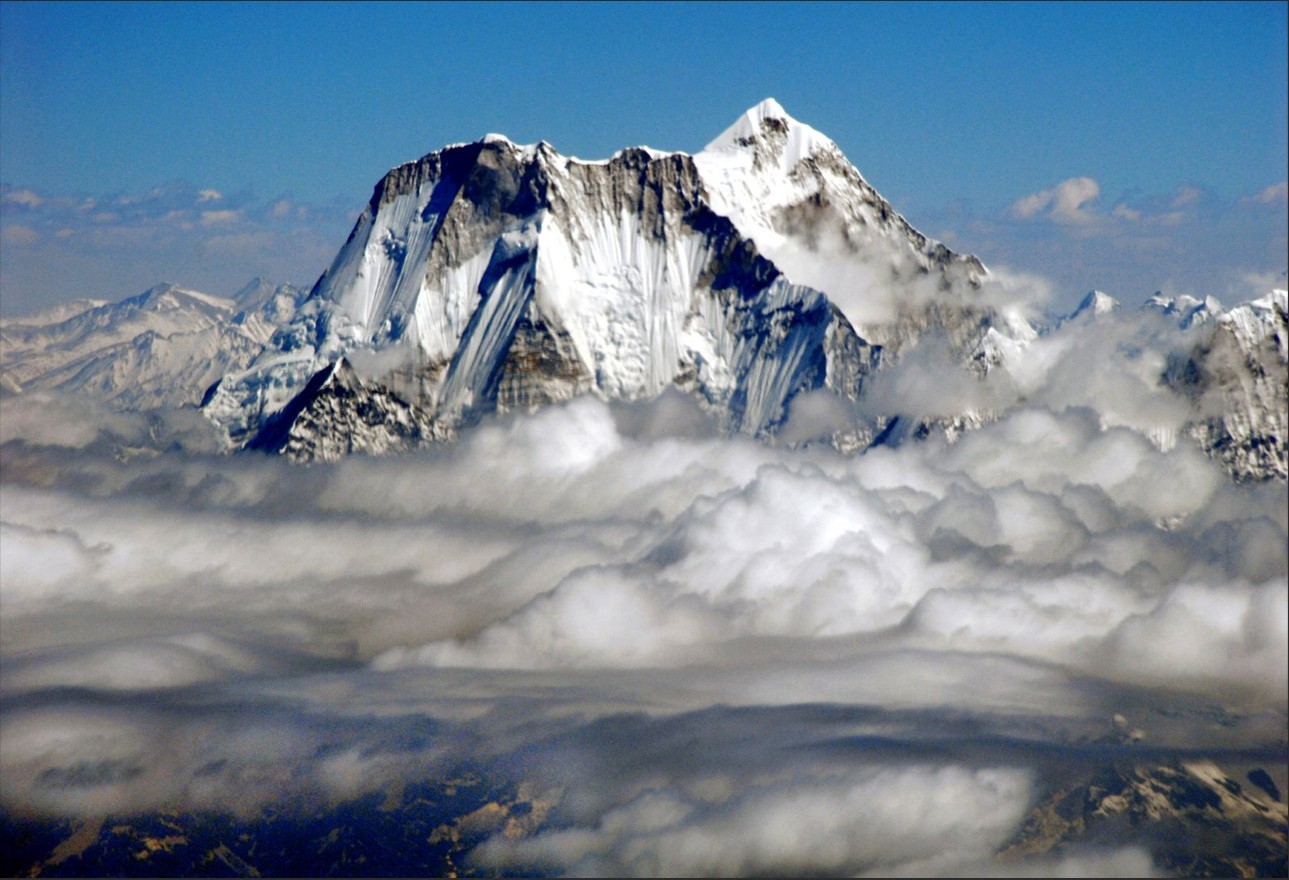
x=768, y=121
x=1091, y=308
x=1097, y=303
x=166, y=293
x=491, y=278
x=769, y=109
x=255, y=289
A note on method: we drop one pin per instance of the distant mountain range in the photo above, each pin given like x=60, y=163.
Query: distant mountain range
x=164, y=347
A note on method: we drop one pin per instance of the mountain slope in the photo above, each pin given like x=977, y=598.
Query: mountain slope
x=492, y=277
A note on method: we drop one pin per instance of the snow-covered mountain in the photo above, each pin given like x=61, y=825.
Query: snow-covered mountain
x=1091, y=308
x=163, y=347
x=491, y=277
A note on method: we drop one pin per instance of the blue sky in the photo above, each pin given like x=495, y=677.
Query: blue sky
x=1132, y=147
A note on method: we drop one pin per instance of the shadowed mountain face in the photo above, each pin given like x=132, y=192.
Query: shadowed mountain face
x=1235, y=374
x=1196, y=820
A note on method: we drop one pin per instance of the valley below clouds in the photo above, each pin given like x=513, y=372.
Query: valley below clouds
x=681, y=652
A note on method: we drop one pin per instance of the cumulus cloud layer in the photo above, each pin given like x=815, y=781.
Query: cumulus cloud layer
x=711, y=655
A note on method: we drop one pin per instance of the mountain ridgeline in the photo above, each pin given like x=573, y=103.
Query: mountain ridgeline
x=489, y=278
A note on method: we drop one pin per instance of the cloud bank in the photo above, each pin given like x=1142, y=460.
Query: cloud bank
x=704, y=655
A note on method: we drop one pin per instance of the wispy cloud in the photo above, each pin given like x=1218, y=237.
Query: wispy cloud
x=26, y=198
x=1075, y=203
x=214, y=218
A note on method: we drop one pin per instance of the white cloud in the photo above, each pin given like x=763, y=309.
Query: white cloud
x=709, y=655
x=1186, y=195
x=1276, y=193
x=1026, y=207
x=17, y=235
x=869, y=819
x=1064, y=203
x=1200, y=633
x=1070, y=202
x=132, y=665
x=1247, y=286
x=27, y=198
x=1136, y=243
x=213, y=218
x=71, y=247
